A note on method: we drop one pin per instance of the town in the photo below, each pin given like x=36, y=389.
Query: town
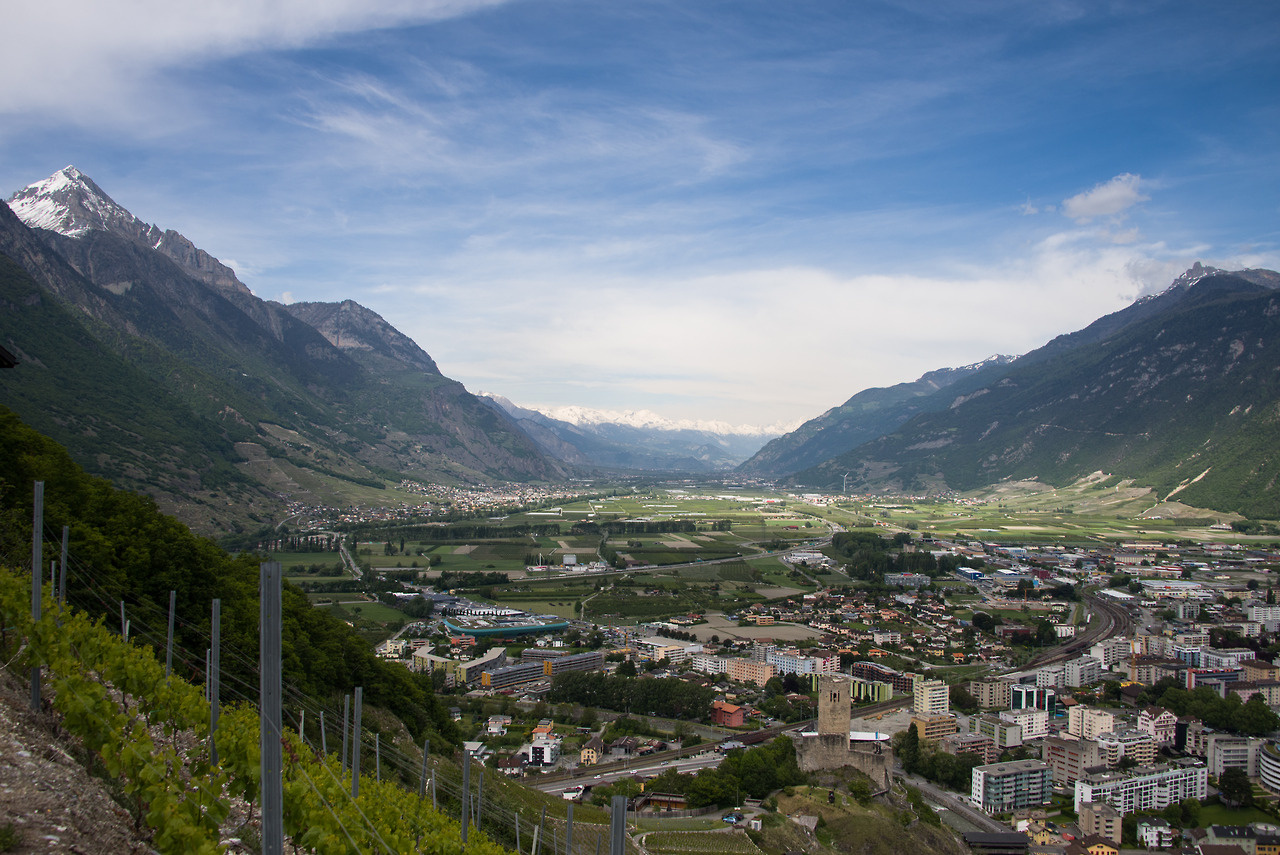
x=1052, y=696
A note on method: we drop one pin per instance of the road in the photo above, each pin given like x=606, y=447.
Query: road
x=645, y=766
x=954, y=803
x=352, y=566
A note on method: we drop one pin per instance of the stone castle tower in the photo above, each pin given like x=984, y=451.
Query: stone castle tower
x=834, y=709
x=830, y=747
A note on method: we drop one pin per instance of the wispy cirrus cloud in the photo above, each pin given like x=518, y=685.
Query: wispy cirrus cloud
x=65, y=54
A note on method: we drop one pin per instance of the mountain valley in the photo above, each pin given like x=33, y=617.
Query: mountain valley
x=158, y=368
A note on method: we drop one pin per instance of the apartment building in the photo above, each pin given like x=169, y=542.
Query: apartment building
x=971, y=743
x=1070, y=758
x=932, y=697
x=749, y=671
x=1084, y=671
x=1034, y=723
x=1148, y=788
x=1087, y=722
x=991, y=694
x=1003, y=733
x=1005, y=787
x=934, y=726
x=1158, y=723
x=1099, y=819
x=1137, y=746
x=1228, y=751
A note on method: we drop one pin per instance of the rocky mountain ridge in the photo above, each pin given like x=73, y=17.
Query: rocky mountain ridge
x=1179, y=392
x=163, y=375
x=71, y=204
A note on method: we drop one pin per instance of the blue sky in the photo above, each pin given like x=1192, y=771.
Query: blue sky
x=743, y=211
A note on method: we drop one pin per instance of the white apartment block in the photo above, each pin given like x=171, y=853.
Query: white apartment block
x=1004, y=787
x=793, y=662
x=1159, y=723
x=1084, y=671
x=1034, y=723
x=1262, y=613
x=705, y=663
x=1088, y=723
x=1052, y=676
x=1135, y=745
x=932, y=697
x=1150, y=789
x=1215, y=659
x=1111, y=651
x=1227, y=751
x=656, y=648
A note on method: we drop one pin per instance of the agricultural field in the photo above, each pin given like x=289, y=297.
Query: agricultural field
x=1094, y=509
x=311, y=566
x=376, y=612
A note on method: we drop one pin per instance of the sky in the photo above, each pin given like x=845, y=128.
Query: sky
x=734, y=210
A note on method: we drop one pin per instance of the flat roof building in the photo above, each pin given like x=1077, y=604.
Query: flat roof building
x=1005, y=787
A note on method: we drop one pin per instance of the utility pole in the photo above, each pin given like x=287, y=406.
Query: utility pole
x=271, y=729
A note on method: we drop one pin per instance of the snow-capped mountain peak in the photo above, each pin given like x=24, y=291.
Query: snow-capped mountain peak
x=71, y=204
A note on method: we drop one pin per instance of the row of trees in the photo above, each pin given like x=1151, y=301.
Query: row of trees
x=667, y=697
x=922, y=757
x=616, y=527
x=868, y=556
x=1252, y=718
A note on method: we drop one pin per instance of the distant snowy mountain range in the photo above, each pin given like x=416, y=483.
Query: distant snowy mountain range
x=635, y=439
x=584, y=416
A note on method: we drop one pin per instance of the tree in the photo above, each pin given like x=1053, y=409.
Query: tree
x=1190, y=813
x=1234, y=788
x=1046, y=635
x=962, y=699
x=1255, y=718
x=906, y=745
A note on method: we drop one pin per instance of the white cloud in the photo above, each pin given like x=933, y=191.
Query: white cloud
x=63, y=53
x=1109, y=199
x=766, y=344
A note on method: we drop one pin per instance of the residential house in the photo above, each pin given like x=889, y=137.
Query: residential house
x=728, y=715
x=1159, y=724
x=592, y=752
x=1155, y=833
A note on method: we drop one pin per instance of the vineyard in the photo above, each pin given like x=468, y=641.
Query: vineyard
x=152, y=733
x=699, y=843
